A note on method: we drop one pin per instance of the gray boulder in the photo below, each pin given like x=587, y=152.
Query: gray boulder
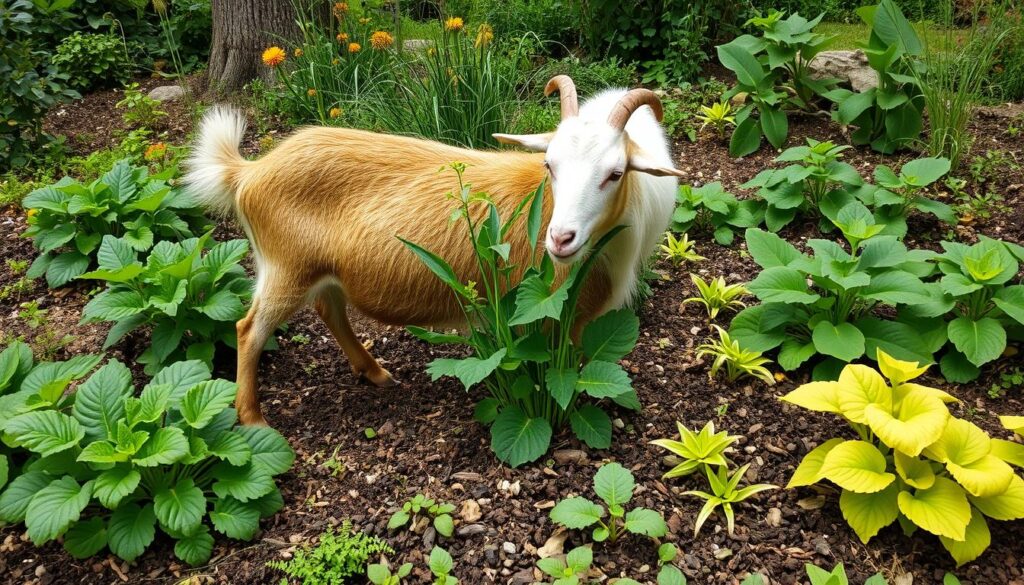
x=166, y=93
x=850, y=67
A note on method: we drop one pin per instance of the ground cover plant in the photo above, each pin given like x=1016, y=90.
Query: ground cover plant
x=614, y=484
x=709, y=209
x=339, y=555
x=103, y=468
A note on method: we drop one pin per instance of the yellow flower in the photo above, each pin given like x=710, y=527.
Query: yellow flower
x=335, y=61
x=155, y=151
x=273, y=56
x=335, y=113
x=454, y=24
x=31, y=212
x=354, y=47
x=342, y=37
x=364, y=21
x=266, y=141
x=381, y=40
x=484, y=35
x=311, y=92
x=298, y=52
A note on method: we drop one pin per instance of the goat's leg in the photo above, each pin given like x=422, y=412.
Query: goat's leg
x=274, y=302
x=330, y=304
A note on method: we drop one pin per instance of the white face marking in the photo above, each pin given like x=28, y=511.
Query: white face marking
x=586, y=161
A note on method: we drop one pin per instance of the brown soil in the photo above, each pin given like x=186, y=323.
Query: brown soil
x=427, y=440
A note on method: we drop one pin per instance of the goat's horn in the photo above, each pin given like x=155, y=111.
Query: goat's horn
x=629, y=103
x=566, y=93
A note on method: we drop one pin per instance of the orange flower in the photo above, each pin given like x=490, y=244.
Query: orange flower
x=342, y=37
x=273, y=56
x=340, y=8
x=354, y=47
x=298, y=52
x=454, y=24
x=311, y=92
x=155, y=151
x=381, y=40
x=335, y=113
x=484, y=35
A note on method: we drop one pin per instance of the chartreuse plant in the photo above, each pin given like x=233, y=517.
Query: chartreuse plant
x=538, y=378
x=698, y=450
x=441, y=564
x=888, y=117
x=912, y=461
x=614, y=484
x=711, y=210
x=718, y=115
x=739, y=361
x=986, y=309
x=68, y=220
x=189, y=299
x=339, y=555
x=679, y=250
x=772, y=72
x=716, y=295
x=571, y=570
x=104, y=468
x=439, y=512
x=725, y=492
x=380, y=574
x=822, y=304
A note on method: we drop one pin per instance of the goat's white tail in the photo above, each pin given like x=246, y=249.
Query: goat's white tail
x=212, y=168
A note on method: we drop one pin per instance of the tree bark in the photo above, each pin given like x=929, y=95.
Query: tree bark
x=242, y=29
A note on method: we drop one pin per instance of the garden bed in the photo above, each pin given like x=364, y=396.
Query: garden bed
x=427, y=441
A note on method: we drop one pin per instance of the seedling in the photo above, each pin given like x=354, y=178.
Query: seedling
x=380, y=574
x=440, y=512
x=724, y=494
x=719, y=116
x=698, y=450
x=614, y=484
x=678, y=251
x=738, y=362
x=716, y=295
x=837, y=576
x=441, y=565
x=572, y=569
x=669, y=574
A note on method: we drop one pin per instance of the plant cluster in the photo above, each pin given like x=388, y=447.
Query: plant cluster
x=739, y=361
x=614, y=484
x=93, y=60
x=538, y=378
x=380, y=573
x=440, y=514
x=679, y=250
x=140, y=110
x=103, y=468
x=913, y=461
x=68, y=220
x=339, y=555
x=717, y=295
x=710, y=209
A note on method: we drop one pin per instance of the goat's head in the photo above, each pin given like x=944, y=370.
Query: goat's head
x=588, y=162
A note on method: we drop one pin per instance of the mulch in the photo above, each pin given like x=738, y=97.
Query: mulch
x=427, y=441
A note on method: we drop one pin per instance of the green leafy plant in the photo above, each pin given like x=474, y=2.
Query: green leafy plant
x=380, y=574
x=614, y=484
x=718, y=115
x=669, y=574
x=698, y=451
x=339, y=555
x=739, y=361
x=441, y=566
x=70, y=219
x=189, y=299
x=104, y=468
x=888, y=117
x=571, y=570
x=139, y=108
x=725, y=492
x=717, y=295
x=837, y=576
x=538, y=378
x=912, y=461
x=678, y=251
x=93, y=60
x=439, y=512
x=771, y=71
x=896, y=194
x=710, y=209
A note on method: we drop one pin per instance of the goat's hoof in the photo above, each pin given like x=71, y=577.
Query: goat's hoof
x=379, y=377
x=252, y=420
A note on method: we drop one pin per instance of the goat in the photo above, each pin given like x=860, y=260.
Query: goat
x=323, y=210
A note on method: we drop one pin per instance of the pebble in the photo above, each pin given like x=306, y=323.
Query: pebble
x=509, y=548
x=821, y=547
x=567, y=456
x=467, y=476
x=774, y=518
x=471, y=529
x=429, y=536
x=754, y=428
x=470, y=511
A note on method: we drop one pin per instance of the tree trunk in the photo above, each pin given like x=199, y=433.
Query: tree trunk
x=242, y=29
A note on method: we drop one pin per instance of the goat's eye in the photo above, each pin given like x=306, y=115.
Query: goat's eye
x=615, y=176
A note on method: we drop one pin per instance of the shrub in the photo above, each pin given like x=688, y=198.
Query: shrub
x=93, y=60
x=338, y=556
x=614, y=484
x=1006, y=80
x=139, y=108
x=711, y=210
x=555, y=22
x=103, y=468
x=189, y=300
x=913, y=462
x=68, y=220
x=537, y=377
x=589, y=77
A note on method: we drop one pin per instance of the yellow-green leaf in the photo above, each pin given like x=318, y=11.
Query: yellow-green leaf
x=860, y=386
x=1008, y=451
x=809, y=470
x=916, y=472
x=986, y=477
x=1014, y=423
x=857, y=466
x=869, y=513
x=1008, y=505
x=817, y=396
x=901, y=391
x=976, y=540
x=898, y=371
x=961, y=442
x=919, y=422
x=941, y=509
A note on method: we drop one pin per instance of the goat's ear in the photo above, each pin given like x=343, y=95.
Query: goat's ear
x=534, y=142
x=639, y=161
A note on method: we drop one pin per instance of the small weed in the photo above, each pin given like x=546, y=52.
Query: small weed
x=439, y=511
x=972, y=206
x=337, y=557
x=1007, y=381
x=17, y=266
x=300, y=339
x=139, y=108
x=49, y=343
x=722, y=410
x=993, y=164
x=32, y=315
x=336, y=467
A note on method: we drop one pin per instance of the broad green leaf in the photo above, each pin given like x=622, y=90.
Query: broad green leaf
x=195, y=548
x=900, y=340
x=962, y=442
x=45, y=432
x=114, y=484
x=235, y=519
x=55, y=507
x=101, y=452
x=65, y=268
x=604, y=380
x=941, y=509
x=919, y=422
x=86, y=538
x=181, y=507
x=469, y=371
x=746, y=138
x=561, y=384
x=976, y=540
x=794, y=353
x=592, y=426
x=782, y=284
x=986, y=477
x=131, y=530
x=435, y=337
x=15, y=499
x=614, y=484
x=181, y=376
x=224, y=305
x=516, y=438
x=205, y=400
x=99, y=401
x=114, y=253
x=4, y=470
x=869, y=513
x=113, y=305
x=981, y=341
x=576, y=512
x=843, y=341
x=268, y=504
x=223, y=256
x=924, y=171
x=761, y=327
x=738, y=59
x=1008, y=451
x=611, y=336
x=269, y=449
x=857, y=466
x=769, y=250
x=809, y=470
x=1010, y=300
x=859, y=386
x=817, y=396
x=232, y=447
x=445, y=525
x=646, y=522
x=535, y=300
x=244, y=483
x=440, y=561
x=435, y=264
x=166, y=445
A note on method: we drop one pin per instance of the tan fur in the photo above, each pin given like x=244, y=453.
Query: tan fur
x=324, y=211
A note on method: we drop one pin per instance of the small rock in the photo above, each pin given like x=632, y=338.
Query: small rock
x=471, y=529
x=429, y=536
x=850, y=67
x=509, y=548
x=467, y=476
x=821, y=547
x=723, y=553
x=166, y=93
x=774, y=517
x=470, y=511
x=754, y=428
x=524, y=577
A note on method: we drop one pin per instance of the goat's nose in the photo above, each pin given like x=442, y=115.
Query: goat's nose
x=562, y=238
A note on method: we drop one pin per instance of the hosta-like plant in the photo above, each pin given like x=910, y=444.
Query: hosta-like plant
x=913, y=462
x=717, y=295
x=539, y=380
x=679, y=250
x=68, y=219
x=725, y=492
x=731, y=357
x=103, y=468
x=698, y=450
x=709, y=209
x=718, y=115
x=189, y=299
x=895, y=195
x=614, y=484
